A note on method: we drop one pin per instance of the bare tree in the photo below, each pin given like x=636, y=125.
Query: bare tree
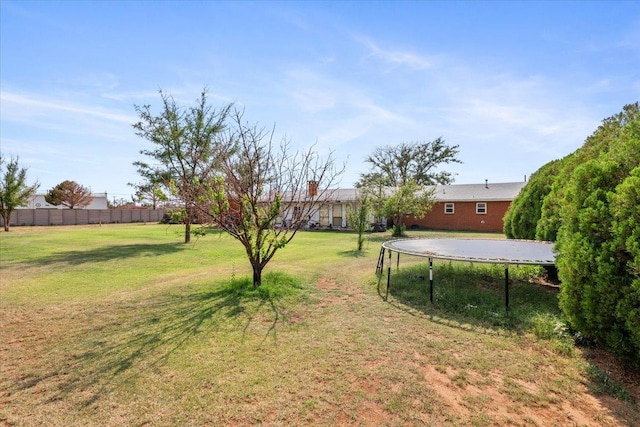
x=69, y=194
x=265, y=192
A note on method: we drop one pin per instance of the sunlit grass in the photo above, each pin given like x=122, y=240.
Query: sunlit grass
x=126, y=325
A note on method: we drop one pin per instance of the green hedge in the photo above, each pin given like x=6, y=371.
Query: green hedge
x=589, y=203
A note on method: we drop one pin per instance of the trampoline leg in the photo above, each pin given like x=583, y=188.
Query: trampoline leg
x=431, y=280
x=398, y=262
x=380, y=266
x=506, y=287
x=386, y=296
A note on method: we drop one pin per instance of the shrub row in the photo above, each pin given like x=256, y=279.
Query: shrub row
x=589, y=203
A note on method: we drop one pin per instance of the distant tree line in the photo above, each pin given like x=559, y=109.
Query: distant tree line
x=589, y=204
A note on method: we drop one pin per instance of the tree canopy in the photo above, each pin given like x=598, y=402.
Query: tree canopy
x=399, y=177
x=418, y=162
x=183, y=156
x=14, y=190
x=69, y=194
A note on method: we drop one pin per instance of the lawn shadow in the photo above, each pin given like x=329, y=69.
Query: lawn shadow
x=379, y=237
x=472, y=295
x=354, y=253
x=108, y=253
x=141, y=336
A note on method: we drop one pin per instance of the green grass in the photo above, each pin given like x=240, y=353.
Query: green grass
x=475, y=293
x=125, y=325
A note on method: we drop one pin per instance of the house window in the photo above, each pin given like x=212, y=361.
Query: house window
x=337, y=215
x=481, y=208
x=448, y=208
x=324, y=216
x=297, y=212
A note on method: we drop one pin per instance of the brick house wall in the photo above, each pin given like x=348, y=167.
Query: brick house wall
x=459, y=200
x=463, y=218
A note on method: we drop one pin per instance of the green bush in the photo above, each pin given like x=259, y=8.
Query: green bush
x=598, y=239
x=523, y=215
x=589, y=203
x=603, y=144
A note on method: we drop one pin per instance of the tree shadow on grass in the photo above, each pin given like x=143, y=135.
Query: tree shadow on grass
x=379, y=237
x=108, y=253
x=139, y=337
x=473, y=295
x=354, y=253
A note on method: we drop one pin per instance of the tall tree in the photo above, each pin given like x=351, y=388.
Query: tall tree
x=184, y=149
x=396, y=165
x=265, y=192
x=400, y=176
x=69, y=194
x=14, y=190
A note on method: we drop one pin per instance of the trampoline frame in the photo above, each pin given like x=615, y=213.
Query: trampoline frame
x=431, y=255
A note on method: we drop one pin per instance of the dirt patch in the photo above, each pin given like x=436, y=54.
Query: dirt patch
x=468, y=397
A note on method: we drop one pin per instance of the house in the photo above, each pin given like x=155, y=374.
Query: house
x=331, y=213
x=460, y=207
x=38, y=202
x=468, y=207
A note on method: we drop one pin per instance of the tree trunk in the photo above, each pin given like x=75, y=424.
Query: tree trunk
x=6, y=217
x=398, y=230
x=257, y=275
x=187, y=231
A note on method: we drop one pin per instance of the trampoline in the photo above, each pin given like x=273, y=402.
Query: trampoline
x=492, y=251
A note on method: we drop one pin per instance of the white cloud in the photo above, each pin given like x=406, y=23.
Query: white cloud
x=333, y=110
x=314, y=99
x=396, y=57
x=532, y=113
x=29, y=107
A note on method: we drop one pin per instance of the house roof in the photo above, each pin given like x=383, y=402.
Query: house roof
x=504, y=191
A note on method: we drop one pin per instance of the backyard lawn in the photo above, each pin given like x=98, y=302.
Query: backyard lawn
x=126, y=325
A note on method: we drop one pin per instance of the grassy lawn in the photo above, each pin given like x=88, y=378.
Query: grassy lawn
x=125, y=325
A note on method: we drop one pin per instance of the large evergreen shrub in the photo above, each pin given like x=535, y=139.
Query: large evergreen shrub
x=589, y=203
x=597, y=240
x=522, y=217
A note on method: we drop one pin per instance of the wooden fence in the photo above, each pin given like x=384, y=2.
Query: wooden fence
x=82, y=216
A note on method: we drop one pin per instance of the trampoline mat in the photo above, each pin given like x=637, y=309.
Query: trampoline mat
x=477, y=250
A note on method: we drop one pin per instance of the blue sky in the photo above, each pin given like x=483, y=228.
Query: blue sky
x=514, y=84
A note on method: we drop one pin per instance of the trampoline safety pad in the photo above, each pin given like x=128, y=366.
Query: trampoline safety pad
x=494, y=251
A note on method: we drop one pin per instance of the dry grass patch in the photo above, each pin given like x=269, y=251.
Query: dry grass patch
x=189, y=343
